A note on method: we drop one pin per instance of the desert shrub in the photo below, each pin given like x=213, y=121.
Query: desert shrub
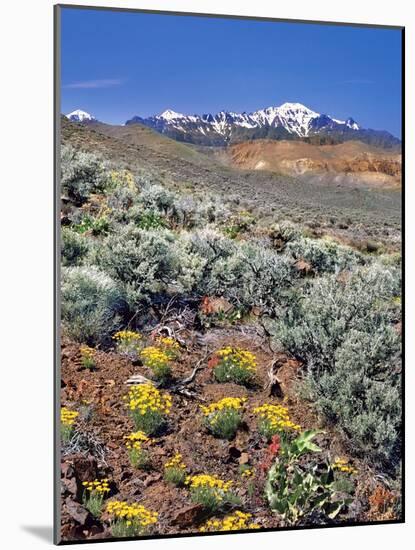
x=361, y=393
x=186, y=212
x=82, y=174
x=156, y=198
x=199, y=251
x=343, y=331
x=121, y=199
x=74, y=247
x=212, y=210
x=324, y=256
x=322, y=312
x=251, y=276
x=143, y=261
x=92, y=304
x=283, y=233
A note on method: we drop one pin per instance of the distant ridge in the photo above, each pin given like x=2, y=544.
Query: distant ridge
x=289, y=121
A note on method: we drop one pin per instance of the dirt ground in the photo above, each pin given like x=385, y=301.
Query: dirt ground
x=98, y=395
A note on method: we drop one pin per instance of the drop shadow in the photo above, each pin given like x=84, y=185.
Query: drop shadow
x=41, y=532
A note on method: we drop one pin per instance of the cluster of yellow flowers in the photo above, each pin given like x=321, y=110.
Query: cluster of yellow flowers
x=276, y=416
x=342, y=465
x=145, y=397
x=247, y=472
x=86, y=352
x=235, y=522
x=176, y=462
x=97, y=486
x=235, y=403
x=168, y=342
x=207, y=481
x=154, y=357
x=68, y=417
x=239, y=357
x=132, y=513
x=123, y=178
x=128, y=337
x=135, y=440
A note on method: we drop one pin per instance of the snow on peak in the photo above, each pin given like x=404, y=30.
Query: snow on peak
x=350, y=123
x=296, y=108
x=79, y=116
x=295, y=118
x=168, y=114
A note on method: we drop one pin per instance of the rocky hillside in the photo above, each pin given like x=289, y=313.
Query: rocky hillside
x=357, y=160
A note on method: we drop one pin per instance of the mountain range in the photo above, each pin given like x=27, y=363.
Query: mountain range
x=289, y=121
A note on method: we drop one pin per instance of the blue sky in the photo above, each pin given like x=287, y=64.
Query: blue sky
x=119, y=64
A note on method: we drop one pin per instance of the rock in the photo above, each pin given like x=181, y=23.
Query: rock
x=244, y=458
x=188, y=515
x=67, y=470
x=85, y=468
x=70, y=485
x=77, y=512
x=152, y=479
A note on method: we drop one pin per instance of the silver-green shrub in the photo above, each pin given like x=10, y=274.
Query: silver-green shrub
x=343, y=330
x=92, y=304
x=143, y=261
x=323, y=256
x=251, y=276
x=82, y=174
x=361, y=393
x=74, y=247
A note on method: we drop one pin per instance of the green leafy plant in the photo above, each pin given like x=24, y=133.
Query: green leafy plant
x=296, y=489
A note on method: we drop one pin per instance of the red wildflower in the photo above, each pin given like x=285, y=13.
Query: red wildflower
x=275, y=445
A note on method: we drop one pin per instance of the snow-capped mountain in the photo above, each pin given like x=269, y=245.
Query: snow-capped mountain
x=289, y=118
x=80, y=116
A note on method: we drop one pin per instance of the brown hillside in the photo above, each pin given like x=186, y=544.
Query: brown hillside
x=354, y=158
